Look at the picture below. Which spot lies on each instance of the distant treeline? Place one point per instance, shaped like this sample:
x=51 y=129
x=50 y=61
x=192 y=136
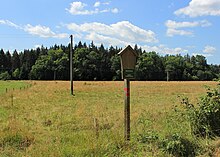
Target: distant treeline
x=91 y=62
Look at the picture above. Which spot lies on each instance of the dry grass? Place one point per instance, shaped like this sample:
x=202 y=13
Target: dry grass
x=58 y=124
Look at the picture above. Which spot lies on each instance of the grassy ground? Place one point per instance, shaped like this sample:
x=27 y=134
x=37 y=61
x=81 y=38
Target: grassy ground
x=45 y=120
x=10 y=85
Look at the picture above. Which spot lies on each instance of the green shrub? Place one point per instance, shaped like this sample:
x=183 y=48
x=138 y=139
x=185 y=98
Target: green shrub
x=178 y=146
x=5 y=76
x=148 y=137
x=205 y=119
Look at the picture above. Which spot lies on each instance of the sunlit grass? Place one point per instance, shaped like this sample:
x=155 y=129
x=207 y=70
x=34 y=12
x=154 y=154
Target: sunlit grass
x=90 y=123
x=11 y=85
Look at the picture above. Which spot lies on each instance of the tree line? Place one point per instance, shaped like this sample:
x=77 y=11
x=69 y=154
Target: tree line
x=91 y=62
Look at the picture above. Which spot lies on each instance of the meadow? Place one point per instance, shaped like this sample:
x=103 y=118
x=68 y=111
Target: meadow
x=45 y=120
x=10 y=85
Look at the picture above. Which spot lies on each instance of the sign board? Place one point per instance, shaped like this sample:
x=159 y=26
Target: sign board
x=128 y=61
x=128 y=73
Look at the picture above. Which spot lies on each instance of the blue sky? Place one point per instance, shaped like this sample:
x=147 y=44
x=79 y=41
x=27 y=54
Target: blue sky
x=164 y=26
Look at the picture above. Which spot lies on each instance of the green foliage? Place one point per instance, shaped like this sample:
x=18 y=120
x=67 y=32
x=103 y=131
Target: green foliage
x=205 y=119
x=16 y=74
x=50 y=66
x=178 y=146
x=148 y=137
x=91 y=65
x=175 y=65
x=115 y=67
x=174 y=144
x=150 y=67
x=98 y=63
x=5 y=76
x=41 y=69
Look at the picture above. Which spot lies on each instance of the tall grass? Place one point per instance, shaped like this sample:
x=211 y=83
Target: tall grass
x=54 y=123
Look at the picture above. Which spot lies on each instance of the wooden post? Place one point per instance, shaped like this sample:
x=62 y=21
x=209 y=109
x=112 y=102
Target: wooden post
x=12 y=102
x=127 y=109
x=128 y=59
x=167 y=75
x=96 y=126
x=54 y=75
x=71 y=64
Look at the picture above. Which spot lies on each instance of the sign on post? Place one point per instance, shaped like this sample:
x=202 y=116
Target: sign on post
x=128 y=73
x=128 y=61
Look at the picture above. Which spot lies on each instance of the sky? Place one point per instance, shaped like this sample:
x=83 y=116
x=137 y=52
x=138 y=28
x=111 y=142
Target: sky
x=164 y=26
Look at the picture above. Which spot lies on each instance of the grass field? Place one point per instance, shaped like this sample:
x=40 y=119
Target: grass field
x=45 y=120
x=10 y=85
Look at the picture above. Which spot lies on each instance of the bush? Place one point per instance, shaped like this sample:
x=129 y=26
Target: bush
x=5 y=76
x=149 y=137
x=178 y=146
x=205 y=119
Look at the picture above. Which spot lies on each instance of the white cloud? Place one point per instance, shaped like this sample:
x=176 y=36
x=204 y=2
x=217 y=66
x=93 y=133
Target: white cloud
x=37 y=46
x=43 y=31
x=79 y=8
x=202 y=54
x=162 y=49
x=174 y=24
x=106 y=40
x=38 y=30
x=173 y=27
x=9 y=23
x=106 y=3
x=171 y=32
x=97 y=4
x=115 y=10
x=123 y=32
x=204 y=23
x=200 y=8
x=209 y=49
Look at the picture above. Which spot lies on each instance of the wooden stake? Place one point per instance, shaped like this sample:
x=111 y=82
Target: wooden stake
x=96 y=126
x=12 y=102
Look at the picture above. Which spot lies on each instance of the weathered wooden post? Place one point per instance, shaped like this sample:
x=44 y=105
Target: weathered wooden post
x=168 y=76
x=71 y=64
x=128 y=60
x=12 y=102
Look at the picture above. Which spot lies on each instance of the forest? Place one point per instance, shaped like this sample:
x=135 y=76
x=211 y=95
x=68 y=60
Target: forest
x=91 y=62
